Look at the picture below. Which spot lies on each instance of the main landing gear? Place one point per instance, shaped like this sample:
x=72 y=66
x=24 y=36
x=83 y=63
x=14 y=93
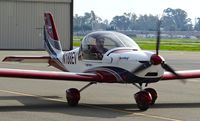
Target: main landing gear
x=145 y=98
x=73 y=94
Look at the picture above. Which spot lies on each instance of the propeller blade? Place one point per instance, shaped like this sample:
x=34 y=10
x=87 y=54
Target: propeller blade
x=158 y=38
x=142 y=67
x=169 y=69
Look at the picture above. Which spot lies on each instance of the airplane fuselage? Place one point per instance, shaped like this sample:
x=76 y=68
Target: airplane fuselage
x=118 y=61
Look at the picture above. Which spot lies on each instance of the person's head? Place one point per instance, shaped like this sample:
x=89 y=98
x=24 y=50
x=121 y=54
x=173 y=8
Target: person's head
x=100 y=43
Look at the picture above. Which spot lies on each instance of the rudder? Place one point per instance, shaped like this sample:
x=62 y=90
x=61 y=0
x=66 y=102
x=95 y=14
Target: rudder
x=51 y=39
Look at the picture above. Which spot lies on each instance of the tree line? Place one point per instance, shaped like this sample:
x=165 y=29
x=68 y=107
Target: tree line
x=172 y=20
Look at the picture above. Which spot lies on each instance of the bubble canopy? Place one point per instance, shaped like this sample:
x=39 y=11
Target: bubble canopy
x=102 y=41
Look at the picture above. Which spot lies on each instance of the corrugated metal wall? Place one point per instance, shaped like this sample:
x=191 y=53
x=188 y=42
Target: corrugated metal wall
x=21 y=22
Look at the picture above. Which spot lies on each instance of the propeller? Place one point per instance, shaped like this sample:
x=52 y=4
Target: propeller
x=156 y=59
x=158 y=37
x=142 y=67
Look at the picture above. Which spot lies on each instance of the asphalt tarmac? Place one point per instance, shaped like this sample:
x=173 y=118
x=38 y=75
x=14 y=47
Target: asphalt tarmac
x=44 y=100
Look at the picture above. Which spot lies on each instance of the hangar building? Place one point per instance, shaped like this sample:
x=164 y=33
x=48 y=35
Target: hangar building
x=21 y=23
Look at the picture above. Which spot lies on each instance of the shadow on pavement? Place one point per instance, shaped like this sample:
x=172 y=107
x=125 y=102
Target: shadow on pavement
x=36 y=104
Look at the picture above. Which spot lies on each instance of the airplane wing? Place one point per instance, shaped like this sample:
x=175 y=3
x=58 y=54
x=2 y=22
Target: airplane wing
x=89 y=77
x=182 y=75
x=27 y=59
x=52 y=75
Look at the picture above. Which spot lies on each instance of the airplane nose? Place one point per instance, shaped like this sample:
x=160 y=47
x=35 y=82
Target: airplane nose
x=156 y=59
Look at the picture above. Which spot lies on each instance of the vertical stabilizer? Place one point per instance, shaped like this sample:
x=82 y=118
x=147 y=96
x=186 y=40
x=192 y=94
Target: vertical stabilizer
x=51 y=39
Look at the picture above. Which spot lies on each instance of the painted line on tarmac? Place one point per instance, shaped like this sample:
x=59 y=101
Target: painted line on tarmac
x=134 y=114
x=30 y=95
x=92 y=106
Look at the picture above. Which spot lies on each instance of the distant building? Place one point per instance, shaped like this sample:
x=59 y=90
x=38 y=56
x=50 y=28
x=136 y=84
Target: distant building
x=21 y=23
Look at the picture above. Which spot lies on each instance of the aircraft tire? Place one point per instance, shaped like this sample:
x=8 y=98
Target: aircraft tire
x=143 y=100
x=153 y=93
x=72 y=96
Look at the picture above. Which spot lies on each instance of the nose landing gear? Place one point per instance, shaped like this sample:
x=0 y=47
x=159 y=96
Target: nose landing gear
x=145 y=98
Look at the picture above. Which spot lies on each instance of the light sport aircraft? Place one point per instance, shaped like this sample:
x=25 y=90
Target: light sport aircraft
x=103 y=57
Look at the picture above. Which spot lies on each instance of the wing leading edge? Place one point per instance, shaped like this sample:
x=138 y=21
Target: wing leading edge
x=182 y=75
x=33 y=74
x=89 y=77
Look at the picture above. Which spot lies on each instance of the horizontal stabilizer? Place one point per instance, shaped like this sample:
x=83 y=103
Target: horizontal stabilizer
x=27 y=59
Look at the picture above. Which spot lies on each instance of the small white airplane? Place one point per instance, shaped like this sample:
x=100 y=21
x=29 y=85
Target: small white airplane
x=103 y=57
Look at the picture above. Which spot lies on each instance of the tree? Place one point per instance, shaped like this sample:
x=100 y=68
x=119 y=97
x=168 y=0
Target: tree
x=133 y=20
x=77 y=23
x=82 y=23
x=176 y=19
x=96 y=21
x=172 y=20
x=90 y=21
x=147 y=23
x=120 y=22
x=197 y=25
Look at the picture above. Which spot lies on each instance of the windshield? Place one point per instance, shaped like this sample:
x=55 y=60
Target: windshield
x=111 y=39
x=127 y=41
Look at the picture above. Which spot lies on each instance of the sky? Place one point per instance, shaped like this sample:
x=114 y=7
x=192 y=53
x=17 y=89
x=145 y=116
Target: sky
x=106 y=9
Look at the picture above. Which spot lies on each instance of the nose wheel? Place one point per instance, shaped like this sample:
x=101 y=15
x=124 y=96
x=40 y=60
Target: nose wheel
x=153 y=94
x=145 y=98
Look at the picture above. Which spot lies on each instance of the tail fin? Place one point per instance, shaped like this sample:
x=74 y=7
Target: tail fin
x=51 y=39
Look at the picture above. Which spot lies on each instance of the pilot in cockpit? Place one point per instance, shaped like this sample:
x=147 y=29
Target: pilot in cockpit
x=98 y=48
x=100 y=45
